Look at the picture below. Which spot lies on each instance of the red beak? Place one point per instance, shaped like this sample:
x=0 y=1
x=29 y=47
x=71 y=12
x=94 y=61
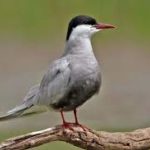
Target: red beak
x=104 y=26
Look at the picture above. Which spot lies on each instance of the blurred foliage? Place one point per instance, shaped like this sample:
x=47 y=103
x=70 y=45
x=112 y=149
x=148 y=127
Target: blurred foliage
x=48 y=19
x=36 y=19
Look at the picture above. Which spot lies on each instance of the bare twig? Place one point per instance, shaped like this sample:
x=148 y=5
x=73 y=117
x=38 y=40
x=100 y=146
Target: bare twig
x=86 y=139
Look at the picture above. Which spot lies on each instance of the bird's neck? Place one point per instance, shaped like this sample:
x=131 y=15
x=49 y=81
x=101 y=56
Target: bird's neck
x=79 y=45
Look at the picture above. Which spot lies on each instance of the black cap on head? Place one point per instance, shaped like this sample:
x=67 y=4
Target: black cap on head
x=79 y=20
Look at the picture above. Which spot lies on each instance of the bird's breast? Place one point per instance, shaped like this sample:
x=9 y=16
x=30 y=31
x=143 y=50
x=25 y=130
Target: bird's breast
x=84 y=82
x=80 y=90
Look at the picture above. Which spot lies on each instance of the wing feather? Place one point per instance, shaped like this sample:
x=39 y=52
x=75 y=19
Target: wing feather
x=55 y=82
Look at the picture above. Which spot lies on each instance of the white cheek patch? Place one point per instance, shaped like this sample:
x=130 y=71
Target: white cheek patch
x=94 y=30
x=82 y=30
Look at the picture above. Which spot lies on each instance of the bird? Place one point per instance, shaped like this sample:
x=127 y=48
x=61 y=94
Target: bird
x=73 y=78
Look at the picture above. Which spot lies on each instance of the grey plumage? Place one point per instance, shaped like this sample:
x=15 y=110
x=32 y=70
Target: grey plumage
x=66 y=85
x=69 y=83
x=27 y=103
x=73 y=78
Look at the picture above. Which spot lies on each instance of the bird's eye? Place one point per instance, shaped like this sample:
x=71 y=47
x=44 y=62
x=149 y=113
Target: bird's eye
x=93 y=26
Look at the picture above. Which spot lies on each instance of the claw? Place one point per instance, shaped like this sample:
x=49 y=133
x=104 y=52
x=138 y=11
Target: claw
x=68 y=125
x=84 y=128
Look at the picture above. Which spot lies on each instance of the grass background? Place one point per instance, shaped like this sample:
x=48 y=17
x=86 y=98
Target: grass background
x=32 y=34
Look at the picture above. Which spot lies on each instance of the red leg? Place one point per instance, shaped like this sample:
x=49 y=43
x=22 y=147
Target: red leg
x=76 y=118
x=62 y=116
x=77 y=122
x=65 y=124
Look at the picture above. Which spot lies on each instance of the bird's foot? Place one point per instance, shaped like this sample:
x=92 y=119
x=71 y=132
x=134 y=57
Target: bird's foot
x=68 y=125
x=84 y=128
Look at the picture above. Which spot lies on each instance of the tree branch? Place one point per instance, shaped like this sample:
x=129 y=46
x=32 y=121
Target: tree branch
x=86 y=139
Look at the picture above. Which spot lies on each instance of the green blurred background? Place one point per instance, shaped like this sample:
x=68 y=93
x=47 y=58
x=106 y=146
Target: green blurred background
x=32 y=34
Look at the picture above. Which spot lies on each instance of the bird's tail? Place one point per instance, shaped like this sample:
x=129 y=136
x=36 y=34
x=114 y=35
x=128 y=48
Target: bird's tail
x=15 y=112
x=28 y=102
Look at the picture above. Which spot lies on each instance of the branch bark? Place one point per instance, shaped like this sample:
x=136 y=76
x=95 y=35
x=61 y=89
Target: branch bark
x=86 y=139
